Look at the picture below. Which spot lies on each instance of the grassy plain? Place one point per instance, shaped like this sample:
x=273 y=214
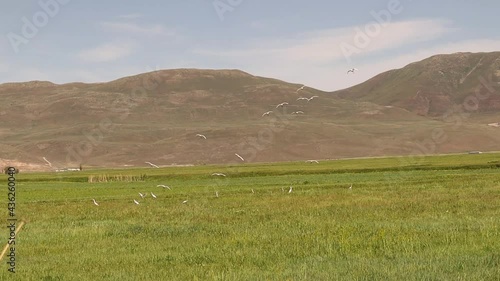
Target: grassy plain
x=421 y=218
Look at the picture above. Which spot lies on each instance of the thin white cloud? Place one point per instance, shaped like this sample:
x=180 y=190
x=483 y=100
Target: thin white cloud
x=133 y=28
x=106 y=52
x=330 y=77
x=316 y=58
x=325 y=45
x=396 y=35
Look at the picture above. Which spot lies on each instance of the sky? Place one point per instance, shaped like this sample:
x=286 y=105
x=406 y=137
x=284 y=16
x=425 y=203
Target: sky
x=310 y=42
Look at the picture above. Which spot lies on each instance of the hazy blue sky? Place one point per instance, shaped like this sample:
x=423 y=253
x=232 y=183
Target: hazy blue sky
x=311 y=42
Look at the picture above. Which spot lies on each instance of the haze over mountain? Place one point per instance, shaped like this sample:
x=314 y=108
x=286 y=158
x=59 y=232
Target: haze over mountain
x=155 y=117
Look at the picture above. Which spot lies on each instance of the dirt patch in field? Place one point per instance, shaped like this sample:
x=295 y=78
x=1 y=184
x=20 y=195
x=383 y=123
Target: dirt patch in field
x=23 y=166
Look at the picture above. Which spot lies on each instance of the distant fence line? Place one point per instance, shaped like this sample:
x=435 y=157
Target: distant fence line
x=115 y=178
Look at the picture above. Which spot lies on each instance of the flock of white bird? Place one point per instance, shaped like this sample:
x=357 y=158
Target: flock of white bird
x=142 y=195
x=283 y=104
x=290 y=189
x=154 y=196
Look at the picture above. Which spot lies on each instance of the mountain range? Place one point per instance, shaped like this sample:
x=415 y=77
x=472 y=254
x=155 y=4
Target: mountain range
x=443 y=104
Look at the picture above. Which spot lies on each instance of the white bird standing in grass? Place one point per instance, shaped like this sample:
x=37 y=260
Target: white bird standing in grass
x=164 y=186
x=290 y=190
x=241 y=158
x=153 y=195
x=153 y=165
x=218 y=174
x=253 y=191
x=135 y=201
x=45 y=159
x=95 y=203
x=312 y=161
x=201 y=136
x=142 y=195
x=267 y=113
x=350 y=187
x=217 y=194
x=184 y=202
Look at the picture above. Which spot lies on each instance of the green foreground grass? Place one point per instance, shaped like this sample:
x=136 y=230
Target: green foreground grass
x=431 y=218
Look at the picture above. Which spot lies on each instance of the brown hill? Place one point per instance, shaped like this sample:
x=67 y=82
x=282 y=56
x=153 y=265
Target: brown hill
x=434 y=85
x=156 y=116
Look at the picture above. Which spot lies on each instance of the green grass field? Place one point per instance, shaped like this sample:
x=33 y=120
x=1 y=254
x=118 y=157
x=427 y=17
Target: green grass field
x=421 y=218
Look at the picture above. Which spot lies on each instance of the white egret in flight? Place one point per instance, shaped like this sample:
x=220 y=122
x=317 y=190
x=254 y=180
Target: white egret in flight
x=239 y=157
x=153 y=165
